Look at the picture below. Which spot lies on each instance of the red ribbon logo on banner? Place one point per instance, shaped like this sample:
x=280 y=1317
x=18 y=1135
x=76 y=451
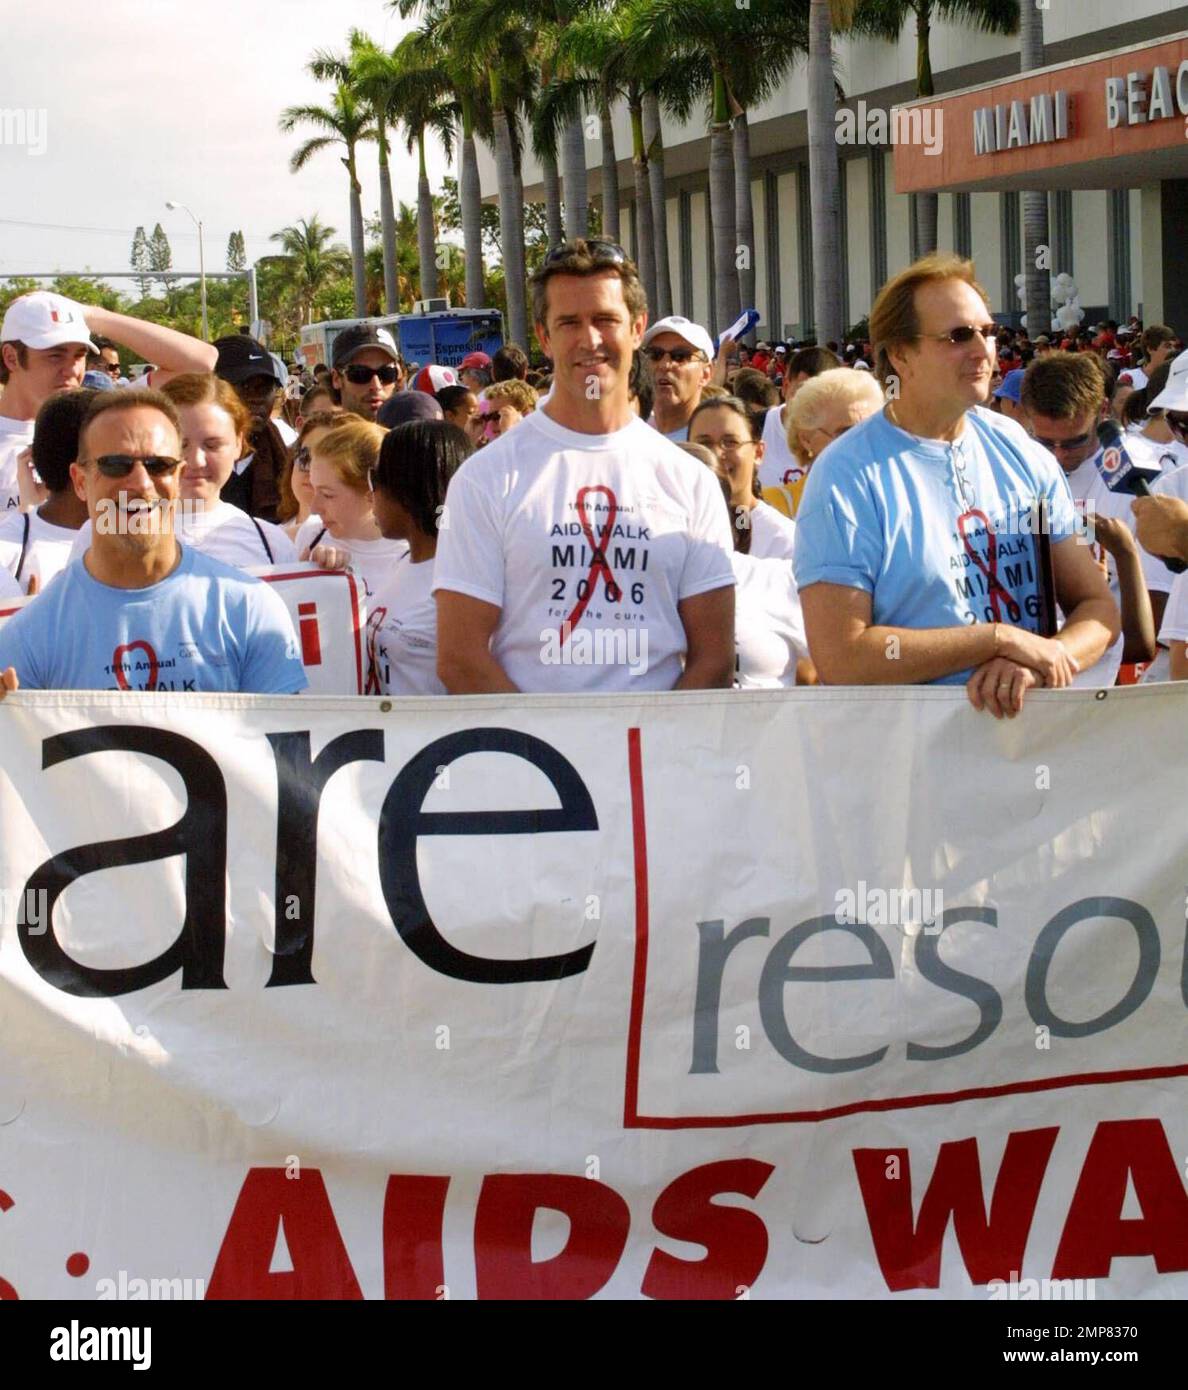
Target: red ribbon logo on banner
x=118 y=654
x=989 y=566
x=598 y=565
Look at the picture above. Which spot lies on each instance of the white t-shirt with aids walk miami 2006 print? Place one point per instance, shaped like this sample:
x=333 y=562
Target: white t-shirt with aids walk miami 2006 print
x=587 y=543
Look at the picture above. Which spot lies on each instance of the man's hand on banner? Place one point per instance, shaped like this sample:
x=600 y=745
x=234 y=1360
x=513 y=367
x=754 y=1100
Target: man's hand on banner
x=998 y=686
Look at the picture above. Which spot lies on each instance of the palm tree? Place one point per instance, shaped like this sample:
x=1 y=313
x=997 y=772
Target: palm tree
x=734 y=56
x=823 y=166
x=885 y=19
x=313 y=260
x=1038 y=284
x=467 y=82
x=346 y=122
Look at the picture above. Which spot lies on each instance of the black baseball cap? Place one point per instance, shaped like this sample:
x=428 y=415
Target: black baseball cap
x=363 y=335
x=408 y=405
x=241 y=357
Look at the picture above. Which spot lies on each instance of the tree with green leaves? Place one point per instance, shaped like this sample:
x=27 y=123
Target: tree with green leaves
x=236 y=252
x=314 y=260
x=886 y=19
x=141 y=261
x=160 y=256
x=347 y=123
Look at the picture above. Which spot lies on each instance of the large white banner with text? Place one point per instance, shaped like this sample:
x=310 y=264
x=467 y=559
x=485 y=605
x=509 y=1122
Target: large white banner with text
x=795 y=994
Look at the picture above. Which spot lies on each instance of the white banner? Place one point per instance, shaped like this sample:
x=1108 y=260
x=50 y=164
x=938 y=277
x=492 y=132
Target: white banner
x=789 y=994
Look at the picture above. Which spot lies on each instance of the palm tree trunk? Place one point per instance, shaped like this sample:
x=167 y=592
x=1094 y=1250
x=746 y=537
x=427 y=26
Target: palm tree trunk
x=823 y=176
x=1036 y=232
x=927 y=204
x=573 y=172
x=387 y=224
x=358 y=269
x=610 y=176
x=472 y=212
x=721 y=188
x=511 y=214
x=552 y=192
x=426 y=233
x=654 y=137
x=642 y=207
x=744 y=214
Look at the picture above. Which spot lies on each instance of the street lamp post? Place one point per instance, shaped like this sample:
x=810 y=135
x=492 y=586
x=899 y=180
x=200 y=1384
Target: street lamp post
x=172 y=206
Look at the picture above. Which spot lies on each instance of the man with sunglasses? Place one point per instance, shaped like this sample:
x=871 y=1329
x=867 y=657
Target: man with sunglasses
x=1064 y=396
x=916 y=551
x=583 y=551
x=681 y=354
x=138 y=611
x=367 y=369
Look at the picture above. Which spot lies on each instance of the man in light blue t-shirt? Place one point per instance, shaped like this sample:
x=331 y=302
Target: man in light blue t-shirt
x=917 y=557
x=138 y=611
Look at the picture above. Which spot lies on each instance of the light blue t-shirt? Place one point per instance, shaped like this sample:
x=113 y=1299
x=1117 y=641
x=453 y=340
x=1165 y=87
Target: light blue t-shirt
x=938 y=534
x=207 y=626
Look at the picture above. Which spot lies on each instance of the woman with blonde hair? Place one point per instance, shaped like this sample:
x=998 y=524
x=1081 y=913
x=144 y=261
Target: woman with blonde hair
x=824 y=408
x=500 y=407
x=342 y=461
x=296 y=504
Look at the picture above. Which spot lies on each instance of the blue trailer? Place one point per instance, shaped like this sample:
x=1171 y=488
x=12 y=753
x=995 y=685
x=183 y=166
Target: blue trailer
x=444 y=337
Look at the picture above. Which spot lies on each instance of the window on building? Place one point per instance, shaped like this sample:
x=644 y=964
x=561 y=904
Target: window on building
x=685 y=225
x=1010 y=206
x=804 y=218
x=843 y=207
x=771 y=241
x=878 y=220
x=962 y=225
x=1118 y=243
x=1060 y=225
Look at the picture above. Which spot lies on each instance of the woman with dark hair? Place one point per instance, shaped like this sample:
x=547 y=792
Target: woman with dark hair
x=416 y=462
x=729 y=428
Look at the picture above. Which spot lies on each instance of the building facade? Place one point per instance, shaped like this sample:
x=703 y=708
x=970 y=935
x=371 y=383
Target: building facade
x=1118 y=192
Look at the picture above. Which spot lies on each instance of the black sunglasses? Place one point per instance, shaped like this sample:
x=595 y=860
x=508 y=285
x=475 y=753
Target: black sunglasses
x=601 y=252
x=120 y=465
x=679 y=355
x=359 y=375
x=965 y=334
x=1078 y=441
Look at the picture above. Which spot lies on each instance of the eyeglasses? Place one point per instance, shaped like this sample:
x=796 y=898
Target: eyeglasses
x=301 y=459
x=965 y=334
x=1078 y=441
x=359 y=375
x=601 y=252
x=120 y=465
x=728 y=445
x=112 y=367
x=679 y=355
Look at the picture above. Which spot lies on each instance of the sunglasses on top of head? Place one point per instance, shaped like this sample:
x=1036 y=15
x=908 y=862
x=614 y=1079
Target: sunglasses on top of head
x=359 y=375
x=120 y=465
x=601 y=252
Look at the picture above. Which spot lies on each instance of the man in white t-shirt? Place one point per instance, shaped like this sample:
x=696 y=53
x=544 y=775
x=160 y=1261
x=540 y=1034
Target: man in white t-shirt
x=583 y=551
x=1064 y=398
x=682 y=356
x=780 y=467
x=44 y=342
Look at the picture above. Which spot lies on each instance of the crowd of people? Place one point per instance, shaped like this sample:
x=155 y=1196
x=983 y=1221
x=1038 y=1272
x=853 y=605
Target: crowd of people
x=646 y=509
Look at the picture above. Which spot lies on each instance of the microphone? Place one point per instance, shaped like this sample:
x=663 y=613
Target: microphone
x=1121 y=473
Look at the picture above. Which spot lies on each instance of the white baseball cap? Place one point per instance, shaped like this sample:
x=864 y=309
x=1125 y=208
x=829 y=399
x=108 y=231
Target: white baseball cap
x=1174 y=395
x=45 y=320
x=693 y=334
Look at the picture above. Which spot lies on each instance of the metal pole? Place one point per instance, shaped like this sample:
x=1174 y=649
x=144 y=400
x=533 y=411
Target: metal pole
x=202 y=277
x=253 y=296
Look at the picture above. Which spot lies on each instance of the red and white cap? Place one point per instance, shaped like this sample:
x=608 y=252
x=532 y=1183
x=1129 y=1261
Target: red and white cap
x=433 y=379
x=45 y=320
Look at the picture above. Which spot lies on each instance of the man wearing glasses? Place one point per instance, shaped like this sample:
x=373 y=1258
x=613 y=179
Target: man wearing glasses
x=1064 y=397
x=366 y=369
x=681 y=353
x=138 y=611
x=582 y=551
x=916 y=553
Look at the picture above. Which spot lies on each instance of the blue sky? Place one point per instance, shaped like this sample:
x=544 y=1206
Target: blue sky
x=148 y=100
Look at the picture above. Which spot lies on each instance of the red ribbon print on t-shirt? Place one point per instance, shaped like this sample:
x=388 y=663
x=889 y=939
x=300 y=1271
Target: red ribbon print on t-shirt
x=598 y=565
x=138 y=646
x=989 y=566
